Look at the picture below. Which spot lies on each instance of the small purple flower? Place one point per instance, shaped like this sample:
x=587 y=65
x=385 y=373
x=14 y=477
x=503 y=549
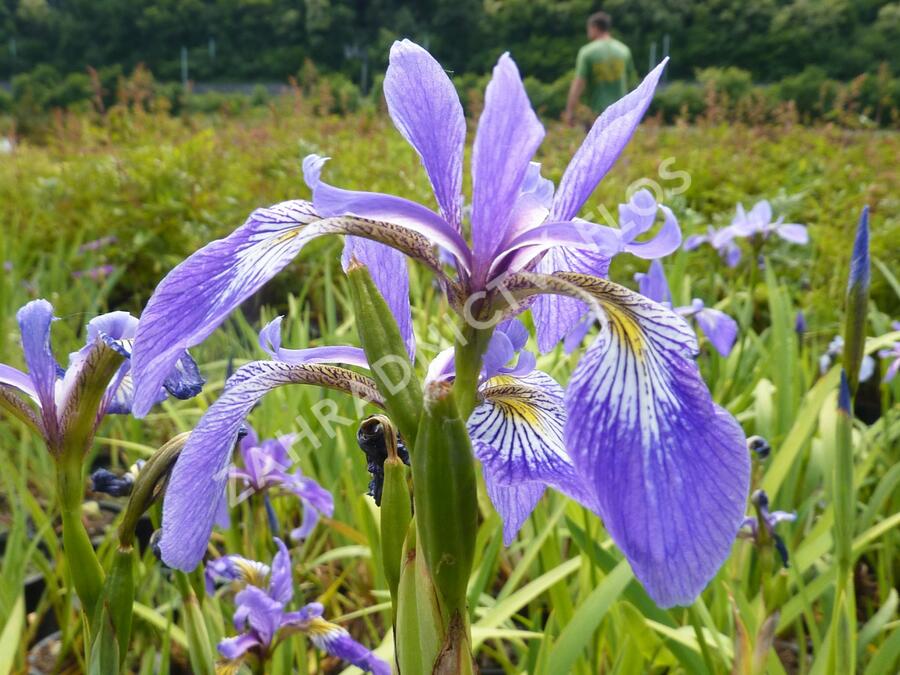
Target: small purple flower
x=261 y=613
x=760 y=501
x=266 y=467
x=835 y=350
x=95 y=273
x=892 y=354
x=722 y=240
x=97 y=244
x=720 y=328
x=55 y=390
x=758 y=223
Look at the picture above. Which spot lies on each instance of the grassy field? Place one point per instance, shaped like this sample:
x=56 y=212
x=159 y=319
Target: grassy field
x=552 y=602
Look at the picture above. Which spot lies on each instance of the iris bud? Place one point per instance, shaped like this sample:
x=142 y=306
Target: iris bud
x=759 y=446
x=856 y=304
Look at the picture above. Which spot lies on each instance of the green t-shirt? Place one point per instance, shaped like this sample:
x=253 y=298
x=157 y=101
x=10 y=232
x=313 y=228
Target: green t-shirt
x=608 y=69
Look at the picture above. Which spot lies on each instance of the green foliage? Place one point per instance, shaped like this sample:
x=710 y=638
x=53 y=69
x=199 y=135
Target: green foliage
x=560 y=596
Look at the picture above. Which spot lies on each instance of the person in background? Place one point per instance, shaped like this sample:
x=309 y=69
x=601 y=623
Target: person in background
x=604 y=68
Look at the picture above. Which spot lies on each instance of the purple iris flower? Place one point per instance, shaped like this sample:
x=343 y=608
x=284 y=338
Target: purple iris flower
x=722 y=240
x=834 y=352
x=266 y=466
x=758 y=223
x=635 y=437
x=719 y=328
x=56 y=391
x=892 y=354
x=262 y=614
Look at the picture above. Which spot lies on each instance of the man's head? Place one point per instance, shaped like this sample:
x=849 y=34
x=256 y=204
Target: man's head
x=598 y=25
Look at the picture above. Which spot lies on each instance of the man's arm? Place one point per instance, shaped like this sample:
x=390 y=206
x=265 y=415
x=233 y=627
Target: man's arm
x=576 y=89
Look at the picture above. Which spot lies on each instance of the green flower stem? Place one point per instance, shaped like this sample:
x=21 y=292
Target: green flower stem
x=84 y=567
x=470 y=349
x=200 y=647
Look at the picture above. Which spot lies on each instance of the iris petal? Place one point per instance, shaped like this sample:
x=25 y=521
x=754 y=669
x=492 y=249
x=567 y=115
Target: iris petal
x=196 y=296
x=270 y=342
x=508 y=135
x=425 y=108
x=517 y=433
x=720 y=328
x=34 y=323
x=666 y=241
x=555 y=316
x=669 y=468
x=197 y=485
x=390 y=275
x=331 y=201
x=602 y=147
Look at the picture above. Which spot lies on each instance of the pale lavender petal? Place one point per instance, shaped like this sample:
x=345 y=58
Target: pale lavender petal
x=891 y=372
x=270 y=342
x=653 y=284
x=331 y=201
x=197 y=296
x=14 y=377
x=720 y=328
x=516 y=332
x=43 y=370
x=508 y=135
x=259 y=610
x=638 y=215
x=499 y=352
x=336 y=641
x=668 y=468
x=425 y=108
x=233 y=648
x=390 y=274
x=525 y=364
x=576 y=336
x=602 y=147
x=281 y=584
x=666 y=241
x=576 y=235
x=694 y=241
x=796 y=234
x=866 y=368
x=554 y=315
x=732 y=254
x=517 y=434
x=317 y=502
x=197 y=484
x=761 y=213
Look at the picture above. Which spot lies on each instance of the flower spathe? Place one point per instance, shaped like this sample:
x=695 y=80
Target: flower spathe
x=635 y=436
x=261 y=613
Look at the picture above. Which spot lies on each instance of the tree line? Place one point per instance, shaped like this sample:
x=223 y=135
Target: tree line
x=269 y=40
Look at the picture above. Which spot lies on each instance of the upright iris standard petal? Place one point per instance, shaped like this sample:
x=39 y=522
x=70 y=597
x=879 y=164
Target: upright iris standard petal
x=198 y=294
x=43 y=370
x=196 y=488
x=720 y=328
x=555 y=316
x=653 y=284
x=270 y=342
x=281 y=586
x=669 y=469
x=602 y=147
x=517 y=434
x=391 y=277
x=509 y=133
x=425 y=108
x=793 y=232
x=331 y=201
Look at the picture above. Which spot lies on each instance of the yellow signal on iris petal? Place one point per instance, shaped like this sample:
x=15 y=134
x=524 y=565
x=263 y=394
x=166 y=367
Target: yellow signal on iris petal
x=623 y=323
